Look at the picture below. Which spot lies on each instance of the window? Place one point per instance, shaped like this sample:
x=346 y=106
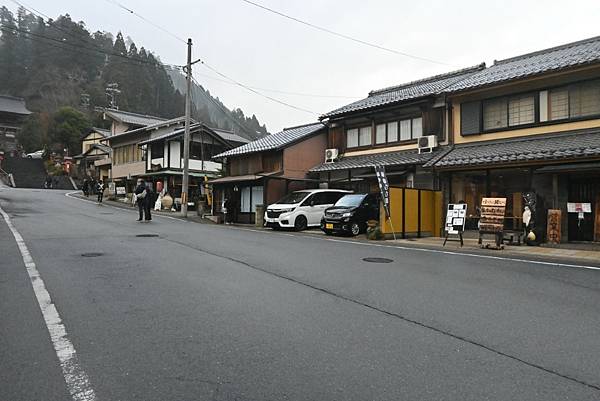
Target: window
x=358 y=137
x=417 y=127
x=392 y=132
x=380 y=136
x=257 y=197
x=245 y=199
x=352 y=138
x=157 y=150
x=521 y=110
x=584 y=99
x=364 y=136
x=558 y=104
x=195 y=150
x=470 y=118
x=405 y=130
x=494 y=114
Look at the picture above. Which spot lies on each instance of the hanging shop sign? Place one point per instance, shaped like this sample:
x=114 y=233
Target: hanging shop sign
x=579 y=208
x=384 y=188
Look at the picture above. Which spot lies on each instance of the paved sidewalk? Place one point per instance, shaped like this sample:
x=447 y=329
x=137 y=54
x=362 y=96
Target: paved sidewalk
x=566 y=252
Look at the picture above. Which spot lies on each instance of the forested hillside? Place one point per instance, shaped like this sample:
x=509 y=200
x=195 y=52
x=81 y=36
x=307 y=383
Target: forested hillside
x=57 y=63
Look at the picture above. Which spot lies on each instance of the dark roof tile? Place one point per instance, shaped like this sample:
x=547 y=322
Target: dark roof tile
x=274 y=141
x=400 y=158
x=407 y=91
x=585 y=51
x=569 y=145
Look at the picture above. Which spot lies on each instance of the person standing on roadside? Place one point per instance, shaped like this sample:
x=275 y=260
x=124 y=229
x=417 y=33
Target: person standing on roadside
x=86 y=187
x=100 y=190
x=148 y=201
x=140 y=194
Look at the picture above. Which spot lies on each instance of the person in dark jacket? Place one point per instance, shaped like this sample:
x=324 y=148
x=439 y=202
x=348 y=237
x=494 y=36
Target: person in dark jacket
x=140 y=196
x=86 y=187
x=148 y=201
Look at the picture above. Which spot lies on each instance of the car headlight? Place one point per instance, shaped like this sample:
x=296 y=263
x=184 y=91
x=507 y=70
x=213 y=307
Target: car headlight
x=347 y=214
x=291 y=209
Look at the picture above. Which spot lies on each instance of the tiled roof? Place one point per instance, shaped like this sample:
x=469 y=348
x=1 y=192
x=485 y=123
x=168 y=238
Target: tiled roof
x=230 y=136
x=15 y=105
x=274 y=141
x=128 y=117
x=574 y=144
x=156 y=126
x=556 y=58
x=172 y=134
x=400 y=158
x=104 y=132
x=408 y=91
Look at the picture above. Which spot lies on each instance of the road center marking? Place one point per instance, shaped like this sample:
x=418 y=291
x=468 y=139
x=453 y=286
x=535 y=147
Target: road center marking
x=77 y=380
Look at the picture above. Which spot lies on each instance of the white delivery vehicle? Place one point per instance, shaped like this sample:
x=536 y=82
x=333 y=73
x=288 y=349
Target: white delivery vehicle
x=302 y=209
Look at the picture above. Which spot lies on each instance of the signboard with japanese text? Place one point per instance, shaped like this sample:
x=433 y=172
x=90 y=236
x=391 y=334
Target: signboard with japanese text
x=492 y=214
x=384 y=188
x=455 y=218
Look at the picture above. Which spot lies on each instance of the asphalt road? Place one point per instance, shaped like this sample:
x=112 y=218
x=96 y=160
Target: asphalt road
x=206 y=312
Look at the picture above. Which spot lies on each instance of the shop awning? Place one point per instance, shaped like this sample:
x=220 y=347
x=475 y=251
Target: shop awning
x=399 y=158
x=240 y=178
x=565 y=168
x=173 y=172
x=573 y=145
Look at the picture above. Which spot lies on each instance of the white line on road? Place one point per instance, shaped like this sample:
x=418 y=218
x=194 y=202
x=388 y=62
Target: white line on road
x=410 y=248
x=77 y=380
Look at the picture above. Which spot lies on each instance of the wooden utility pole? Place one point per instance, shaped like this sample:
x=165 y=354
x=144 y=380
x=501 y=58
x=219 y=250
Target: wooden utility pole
x=186 y=136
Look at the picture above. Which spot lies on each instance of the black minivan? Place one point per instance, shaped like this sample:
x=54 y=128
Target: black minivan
x=350 y=214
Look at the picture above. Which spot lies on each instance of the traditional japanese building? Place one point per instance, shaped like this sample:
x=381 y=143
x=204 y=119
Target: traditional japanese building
x=529 y=123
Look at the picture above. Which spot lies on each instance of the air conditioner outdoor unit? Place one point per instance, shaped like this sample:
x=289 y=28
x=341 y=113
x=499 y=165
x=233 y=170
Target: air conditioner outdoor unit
x=331 y=155
x=427 y=143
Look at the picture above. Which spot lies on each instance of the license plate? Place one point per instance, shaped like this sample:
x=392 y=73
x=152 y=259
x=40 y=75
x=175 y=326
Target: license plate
x=329 y=226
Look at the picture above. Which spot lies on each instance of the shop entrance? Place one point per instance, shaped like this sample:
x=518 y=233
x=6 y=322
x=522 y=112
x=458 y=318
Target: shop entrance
x=586 y=190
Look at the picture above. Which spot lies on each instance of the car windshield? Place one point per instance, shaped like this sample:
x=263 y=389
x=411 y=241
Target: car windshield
x=294 y=197
x=350 y=201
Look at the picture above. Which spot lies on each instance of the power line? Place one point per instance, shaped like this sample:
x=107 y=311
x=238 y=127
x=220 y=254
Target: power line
x=214 y=70
x=343 y=36
x=95 y=46
x=129 y=10
x=222 y=108
x=257 y=92
x=283 y=92
x=79 y=48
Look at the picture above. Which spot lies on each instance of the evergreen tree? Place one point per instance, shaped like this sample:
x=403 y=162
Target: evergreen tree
x=67 y=128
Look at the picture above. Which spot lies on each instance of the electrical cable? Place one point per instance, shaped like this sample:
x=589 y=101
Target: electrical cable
x=343 y=36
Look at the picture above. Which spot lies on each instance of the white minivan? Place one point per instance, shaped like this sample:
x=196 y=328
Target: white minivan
x=302 y=209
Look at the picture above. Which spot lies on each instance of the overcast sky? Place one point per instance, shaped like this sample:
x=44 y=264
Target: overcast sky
x=264 y=50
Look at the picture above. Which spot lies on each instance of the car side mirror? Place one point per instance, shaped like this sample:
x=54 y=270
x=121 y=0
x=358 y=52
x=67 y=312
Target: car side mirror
x=312 y=202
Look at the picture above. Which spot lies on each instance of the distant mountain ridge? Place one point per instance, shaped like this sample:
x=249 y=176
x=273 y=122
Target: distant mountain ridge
x=211 y=109
x=57 y=63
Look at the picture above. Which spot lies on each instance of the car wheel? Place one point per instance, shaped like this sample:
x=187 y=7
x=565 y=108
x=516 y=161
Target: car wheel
x=300 y=223
x=30 y=157
x=355 y=229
